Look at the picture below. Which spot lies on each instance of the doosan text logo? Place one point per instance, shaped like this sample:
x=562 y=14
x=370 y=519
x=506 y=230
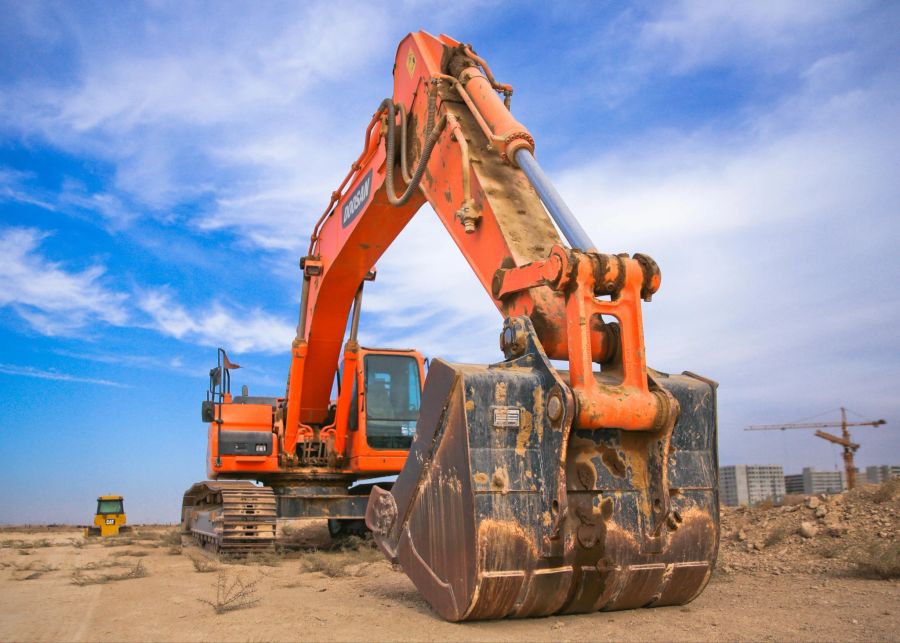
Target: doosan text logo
x=357 y=200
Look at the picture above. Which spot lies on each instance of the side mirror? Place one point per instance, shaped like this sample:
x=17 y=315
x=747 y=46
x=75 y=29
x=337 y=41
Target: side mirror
x=208 y=411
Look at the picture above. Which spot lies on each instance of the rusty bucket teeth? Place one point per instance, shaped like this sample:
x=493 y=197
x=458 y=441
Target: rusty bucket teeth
x=505 y=510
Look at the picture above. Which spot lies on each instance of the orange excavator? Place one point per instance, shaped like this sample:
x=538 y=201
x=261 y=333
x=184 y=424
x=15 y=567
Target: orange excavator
x=506 y=490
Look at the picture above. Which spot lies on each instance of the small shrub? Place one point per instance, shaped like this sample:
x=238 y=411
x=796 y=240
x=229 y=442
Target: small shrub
x=263 y=558
x=777 y=535
x=330 y=564
x=175 y=550
x=233 y=594
x=888 y=490
x=172 y=537
x=830 y=550
x=204 y=565
x=335 y=564
x=877 y=558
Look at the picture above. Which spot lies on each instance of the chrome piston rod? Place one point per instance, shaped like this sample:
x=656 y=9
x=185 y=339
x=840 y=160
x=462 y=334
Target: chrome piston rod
x=562 y=215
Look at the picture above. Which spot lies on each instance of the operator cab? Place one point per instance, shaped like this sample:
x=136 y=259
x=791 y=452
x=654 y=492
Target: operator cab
x=382 y=421
x=110 y=505
x=393 y=396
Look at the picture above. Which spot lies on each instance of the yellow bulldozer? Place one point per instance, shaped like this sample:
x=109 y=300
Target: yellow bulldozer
x=109 y=519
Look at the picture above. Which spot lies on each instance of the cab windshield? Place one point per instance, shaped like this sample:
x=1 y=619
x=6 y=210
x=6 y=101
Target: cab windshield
x=393 y=396
x=110 y=507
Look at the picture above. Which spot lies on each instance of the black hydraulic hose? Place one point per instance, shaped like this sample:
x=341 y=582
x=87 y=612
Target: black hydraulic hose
x=433 y=132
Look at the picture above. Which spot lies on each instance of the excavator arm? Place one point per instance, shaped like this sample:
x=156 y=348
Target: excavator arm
x=528 y=490
x=475 y=167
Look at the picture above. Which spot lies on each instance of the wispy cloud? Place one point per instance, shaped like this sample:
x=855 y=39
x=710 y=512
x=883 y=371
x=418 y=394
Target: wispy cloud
x=693 y=33
x=217 y=325
x=52 y=299
x=226 y=112
x=29 y=371
x=56 y=301
x=14 y=187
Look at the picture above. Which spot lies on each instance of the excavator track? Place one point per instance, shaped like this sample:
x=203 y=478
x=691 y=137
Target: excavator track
x=230 y=517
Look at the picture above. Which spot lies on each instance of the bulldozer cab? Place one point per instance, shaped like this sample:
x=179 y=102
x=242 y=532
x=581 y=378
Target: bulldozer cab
x=384 y=408
x=110 y=506
x=109 y=519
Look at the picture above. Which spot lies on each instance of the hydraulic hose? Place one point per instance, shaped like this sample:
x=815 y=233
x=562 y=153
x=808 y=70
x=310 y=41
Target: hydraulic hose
x=434 y=130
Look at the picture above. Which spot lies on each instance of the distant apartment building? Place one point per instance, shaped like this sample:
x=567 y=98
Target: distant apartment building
x=793 y=484
x=812 y=482
x=748 y=484
x=881 y=473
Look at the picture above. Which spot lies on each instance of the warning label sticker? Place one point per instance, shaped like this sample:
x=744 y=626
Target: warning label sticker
x=506 y=416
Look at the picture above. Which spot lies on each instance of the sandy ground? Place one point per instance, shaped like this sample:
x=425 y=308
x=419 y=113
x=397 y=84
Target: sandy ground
x=49 y=593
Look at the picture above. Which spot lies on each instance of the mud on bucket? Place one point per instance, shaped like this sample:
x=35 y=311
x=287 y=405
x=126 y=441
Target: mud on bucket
x=503 y=509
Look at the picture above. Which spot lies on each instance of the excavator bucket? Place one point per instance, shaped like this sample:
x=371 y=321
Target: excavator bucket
x=504 y=509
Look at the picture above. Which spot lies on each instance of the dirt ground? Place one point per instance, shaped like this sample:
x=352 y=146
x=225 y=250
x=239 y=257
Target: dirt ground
x=771 y=583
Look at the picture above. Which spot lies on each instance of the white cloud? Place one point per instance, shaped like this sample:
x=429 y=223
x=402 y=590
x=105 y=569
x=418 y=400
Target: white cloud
x=30 y=371
x=810 y=158
x=56 y=301
x=694 y=33
x=218 y=325
x=189 y=104
x=13 y=187
x=52 y=299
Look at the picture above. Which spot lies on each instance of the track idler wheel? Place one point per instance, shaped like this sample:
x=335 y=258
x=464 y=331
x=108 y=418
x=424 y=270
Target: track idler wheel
x=503 y=509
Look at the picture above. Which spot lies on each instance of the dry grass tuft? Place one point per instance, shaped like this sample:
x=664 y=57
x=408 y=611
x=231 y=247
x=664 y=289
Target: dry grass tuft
x=233 y=594
x=830 y=550
x=174 y=550
x=204 y=565
x=887 y=491
x=135 y=571
x=118 y=541
x=172 y=537
x=35 y=566
x=98 y=564
x=331 y=564
x=137 y=553
x=17 y=543
x=268 y=558
x=877 y=558
x=778 y=534
x=353 y=556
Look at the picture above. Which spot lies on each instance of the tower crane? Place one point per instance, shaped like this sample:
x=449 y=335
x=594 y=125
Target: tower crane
x=850 y=447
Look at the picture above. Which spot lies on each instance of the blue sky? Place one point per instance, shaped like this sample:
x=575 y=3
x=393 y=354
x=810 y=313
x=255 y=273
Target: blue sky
x=161 y=165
